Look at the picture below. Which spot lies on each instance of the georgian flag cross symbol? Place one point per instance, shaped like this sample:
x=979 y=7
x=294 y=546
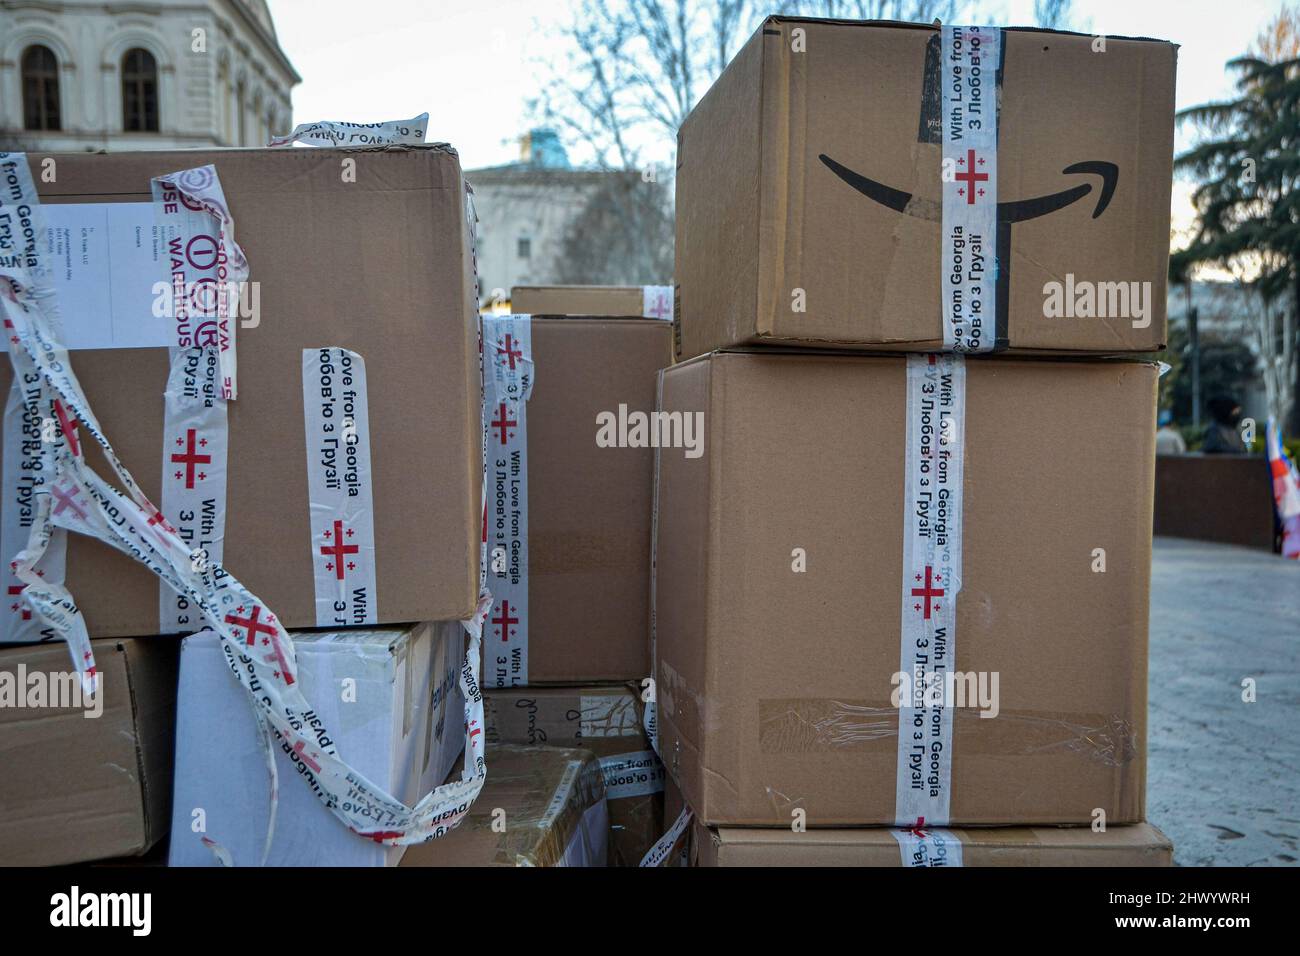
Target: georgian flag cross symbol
x=337 y=550
x=928 y=592
x=190 y=457
x=252 y=627
x=16 y=589
x=970 y=177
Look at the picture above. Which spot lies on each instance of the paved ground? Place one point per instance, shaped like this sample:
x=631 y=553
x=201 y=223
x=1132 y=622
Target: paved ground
x=1223 y=778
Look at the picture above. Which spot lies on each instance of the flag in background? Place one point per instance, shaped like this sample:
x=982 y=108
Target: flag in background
x=1286 y=492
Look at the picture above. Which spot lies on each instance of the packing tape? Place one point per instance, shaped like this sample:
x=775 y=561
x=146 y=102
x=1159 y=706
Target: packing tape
x=969 y=67
x=921 y=846
x=329 y=133
x=254 y=641
x=339 y=487
x=825 y=725
x=932 y=532
x=507 y=384
x=28 y=462
x=662 y=851
x=651 y=713
x=634 y=774
x=657 y=302
x=196 y=449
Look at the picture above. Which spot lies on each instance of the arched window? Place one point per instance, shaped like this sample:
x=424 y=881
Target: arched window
x=139 y=92
x=40 y=88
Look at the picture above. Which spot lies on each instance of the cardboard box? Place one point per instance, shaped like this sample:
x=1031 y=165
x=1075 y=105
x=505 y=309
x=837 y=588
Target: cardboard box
x=607 y=720
x=382 y=266
x=775 y=246
x=390 y=696
x=588 y=507
x=641 y=301
x=540 y=806
x=1138 y=845
x=78 y=787
x=775 y=686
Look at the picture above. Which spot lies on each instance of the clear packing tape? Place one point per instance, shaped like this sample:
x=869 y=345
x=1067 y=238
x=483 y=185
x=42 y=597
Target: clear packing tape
x=74 y=497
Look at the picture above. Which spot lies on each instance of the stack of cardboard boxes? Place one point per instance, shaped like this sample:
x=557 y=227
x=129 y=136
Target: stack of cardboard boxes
x=342 y=486
x=911 y=590
x=892 y=598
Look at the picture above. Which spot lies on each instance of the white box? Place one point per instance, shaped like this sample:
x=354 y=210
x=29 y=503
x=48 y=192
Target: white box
x=391 y=698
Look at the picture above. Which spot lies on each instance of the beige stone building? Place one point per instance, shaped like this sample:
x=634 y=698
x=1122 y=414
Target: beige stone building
x=117 y=74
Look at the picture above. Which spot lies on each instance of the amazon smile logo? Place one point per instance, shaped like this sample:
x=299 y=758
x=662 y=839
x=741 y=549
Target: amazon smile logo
x=1020 y=210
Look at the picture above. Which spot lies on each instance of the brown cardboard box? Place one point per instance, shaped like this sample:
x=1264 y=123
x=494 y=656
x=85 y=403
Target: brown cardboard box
x=78 y=788
x=1138 y=845
x=608 y=721
x=774 y=687
x=540 y=806
x=603 y=300
x=380 y=265
x=760 y=214
x=589 y=507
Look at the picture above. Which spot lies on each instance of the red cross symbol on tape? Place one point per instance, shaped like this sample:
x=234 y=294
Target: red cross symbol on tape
x=251 y=623
x=67 y=498
x=509 y=351
x=68 y=426
x=970 y=177
x=917 y=828
x=160 y=524
x=90 y=669
x=502 y=422
x=659 y=307
x=191 y=456
x=16 y=589
x=338 y=550
x=277 y=658
x=505 y=620
x=300 y=748
x=928 y=591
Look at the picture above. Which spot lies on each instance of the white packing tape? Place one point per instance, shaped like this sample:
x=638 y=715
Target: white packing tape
x=29 y=438
x=339 y=487
x=657 y=302
x=258 y=648
x=635 y=774
x=931 y=846
x=968 y=270
x=507 y=385
x=327 y=133
x=662 y=851
x=195 y=453
x=932 y=536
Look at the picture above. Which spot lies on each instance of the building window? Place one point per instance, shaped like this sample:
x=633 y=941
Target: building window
x=524 y=248
x=139 y=92
x=40 y=89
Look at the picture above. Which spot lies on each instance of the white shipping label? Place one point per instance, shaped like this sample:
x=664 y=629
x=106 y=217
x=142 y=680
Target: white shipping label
x=27 y=464
x=327 y=133
x=195 y=453
x=632 y=774
x=507 y=384
x=932 y=526
x=968 y=269
x=339 y=486
x=928 y=847
x=109 y=265
x=657 y=302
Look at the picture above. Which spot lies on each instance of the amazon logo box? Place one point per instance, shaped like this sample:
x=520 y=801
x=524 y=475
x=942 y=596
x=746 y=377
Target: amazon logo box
x=905 y=187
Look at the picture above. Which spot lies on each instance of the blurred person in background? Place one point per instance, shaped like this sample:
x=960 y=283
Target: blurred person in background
x=1169 y=440
x=1222 y=437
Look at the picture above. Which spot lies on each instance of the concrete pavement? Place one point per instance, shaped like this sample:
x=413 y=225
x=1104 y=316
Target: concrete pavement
x=1223 y=776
